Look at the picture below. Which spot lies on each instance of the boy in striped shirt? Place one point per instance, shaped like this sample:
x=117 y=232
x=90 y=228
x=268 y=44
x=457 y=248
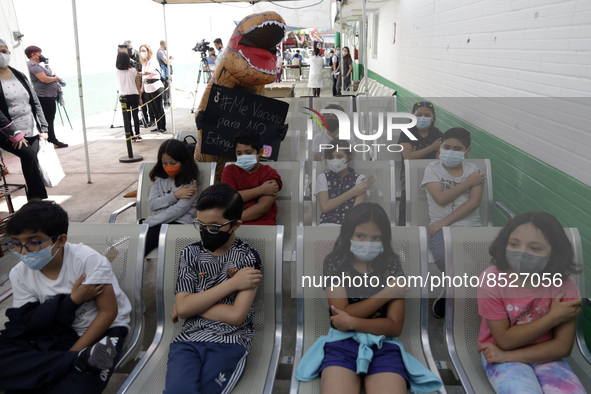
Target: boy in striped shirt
x=217 y=283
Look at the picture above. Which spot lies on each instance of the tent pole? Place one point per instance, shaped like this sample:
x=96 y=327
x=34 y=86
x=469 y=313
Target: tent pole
x=80 y=92
x=365 y=46
x=168 y=73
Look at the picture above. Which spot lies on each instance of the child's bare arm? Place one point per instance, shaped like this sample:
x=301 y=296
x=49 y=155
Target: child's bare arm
x=444 y=197
x=259 y=209
x=193 y=304
x=512 y=337
x=461 y=212
x=390 y=326
x=328 y=204
x=106 y=303
x=233 y=314
x=268 y=188
x=558 y=347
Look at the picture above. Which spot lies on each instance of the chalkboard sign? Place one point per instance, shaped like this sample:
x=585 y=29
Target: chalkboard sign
x=229 y=111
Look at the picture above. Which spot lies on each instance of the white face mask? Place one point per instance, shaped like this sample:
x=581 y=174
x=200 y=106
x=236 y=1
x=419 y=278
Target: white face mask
x=336 y=165
x=144 y=55
x=4 y=60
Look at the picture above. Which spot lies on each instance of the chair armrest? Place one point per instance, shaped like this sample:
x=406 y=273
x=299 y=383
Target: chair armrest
x=120 y=210
x=505 y=209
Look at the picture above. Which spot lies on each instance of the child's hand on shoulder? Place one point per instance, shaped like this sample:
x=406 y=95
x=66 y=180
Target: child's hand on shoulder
x=341 y=320
x=187 y=191
x=360 y=188
x=476 y=178
x=492 y=353
x=270 y=188
x=564 y=311
x=247 y=278
x=82 y=293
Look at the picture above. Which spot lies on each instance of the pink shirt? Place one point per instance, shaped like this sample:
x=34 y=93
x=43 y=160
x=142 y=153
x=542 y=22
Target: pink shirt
x=519 y=305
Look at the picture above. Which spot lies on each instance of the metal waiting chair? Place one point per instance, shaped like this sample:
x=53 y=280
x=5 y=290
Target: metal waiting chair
x=123 y=245
x=381 y=186
x=417 y=207
x=313 y=244
x=148 y=376
x=466 y=253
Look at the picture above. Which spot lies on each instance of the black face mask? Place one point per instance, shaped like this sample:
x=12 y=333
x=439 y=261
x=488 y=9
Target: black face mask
x=42 y=59
x=332 y=123
x=213 y=242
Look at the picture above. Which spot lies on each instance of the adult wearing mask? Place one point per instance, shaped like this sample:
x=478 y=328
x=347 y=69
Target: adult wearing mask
x=344 y=79
x=47 y=86
x=152 y=86
x=22 y=122
x=315 y=78
x=336 y=61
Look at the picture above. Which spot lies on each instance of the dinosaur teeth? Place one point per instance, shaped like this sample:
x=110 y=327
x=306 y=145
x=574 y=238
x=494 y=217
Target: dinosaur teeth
x=270 y=72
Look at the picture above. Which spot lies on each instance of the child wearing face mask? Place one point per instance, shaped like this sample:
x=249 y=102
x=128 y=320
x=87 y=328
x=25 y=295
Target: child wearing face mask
x=426 y=146
x=331 y=133
x=258 y=184
x=362 y=344
x=218 y=278
x=454 y=190
x=173 y=194
x=340 y=188
x=69 y=316
x=528 y=328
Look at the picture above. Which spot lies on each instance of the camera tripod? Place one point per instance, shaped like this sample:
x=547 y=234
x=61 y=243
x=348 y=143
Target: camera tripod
x=203 y=69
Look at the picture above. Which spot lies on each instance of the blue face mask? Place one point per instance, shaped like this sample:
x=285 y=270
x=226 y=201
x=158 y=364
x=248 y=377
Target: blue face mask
x=423 y=122
x=246 y=162
x=338 y=52
x=451 y=158
x=366 y=251
x=37 y=260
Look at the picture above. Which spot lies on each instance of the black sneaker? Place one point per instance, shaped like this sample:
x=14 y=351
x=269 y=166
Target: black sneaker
x=439 y=306
x=97 y=357
x=58 y=144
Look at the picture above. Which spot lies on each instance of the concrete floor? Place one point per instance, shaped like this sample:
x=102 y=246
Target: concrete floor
x=110 y=181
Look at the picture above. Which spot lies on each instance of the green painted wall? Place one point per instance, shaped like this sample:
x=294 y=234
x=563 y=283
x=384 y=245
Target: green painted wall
x=521 y=181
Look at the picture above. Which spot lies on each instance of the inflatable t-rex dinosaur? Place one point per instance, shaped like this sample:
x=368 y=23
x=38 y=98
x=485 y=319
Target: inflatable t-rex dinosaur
x=246 y=64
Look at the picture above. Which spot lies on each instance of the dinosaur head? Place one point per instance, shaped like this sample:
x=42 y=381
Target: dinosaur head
x=256 y=38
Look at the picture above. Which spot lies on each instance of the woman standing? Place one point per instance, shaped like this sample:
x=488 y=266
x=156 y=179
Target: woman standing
x=315 y=79
x=152 y=85
x=47 y=88
x=21 y=122
x=129 y=86
x=345 y=71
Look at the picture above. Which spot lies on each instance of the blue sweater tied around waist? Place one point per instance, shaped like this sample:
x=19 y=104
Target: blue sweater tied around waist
x=422 y=380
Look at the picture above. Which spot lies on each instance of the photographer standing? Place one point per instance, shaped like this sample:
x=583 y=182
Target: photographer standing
x=47 y=86
x=152 y=86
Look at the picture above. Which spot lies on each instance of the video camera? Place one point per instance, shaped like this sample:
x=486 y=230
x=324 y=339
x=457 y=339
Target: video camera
x=133 y=57
x=201 y=46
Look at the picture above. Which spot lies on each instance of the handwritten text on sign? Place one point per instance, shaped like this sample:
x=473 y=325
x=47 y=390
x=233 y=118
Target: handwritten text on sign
x=229 y=111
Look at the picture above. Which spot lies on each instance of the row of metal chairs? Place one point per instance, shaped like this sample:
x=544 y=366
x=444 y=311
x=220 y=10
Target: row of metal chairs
x=297 y=178
x=466 y=252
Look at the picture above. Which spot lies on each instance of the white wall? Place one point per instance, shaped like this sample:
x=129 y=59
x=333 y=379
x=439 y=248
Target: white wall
x=520 y=48
x=8 y=24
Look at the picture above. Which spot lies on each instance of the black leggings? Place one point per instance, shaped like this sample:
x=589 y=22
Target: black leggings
x=48 y=104
x=157 y=109
x=29 y=165
x=133 y=102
